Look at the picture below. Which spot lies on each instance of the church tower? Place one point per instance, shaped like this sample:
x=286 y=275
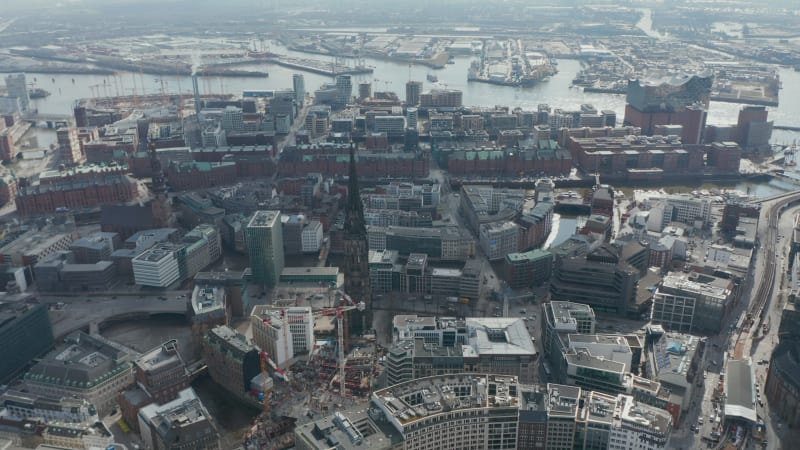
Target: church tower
x=160 y=205
x=356 y=253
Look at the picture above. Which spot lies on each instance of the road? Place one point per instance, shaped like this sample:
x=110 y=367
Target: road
x=756 y=292
x=761 y=349
x=299 y=122
x=82 y=311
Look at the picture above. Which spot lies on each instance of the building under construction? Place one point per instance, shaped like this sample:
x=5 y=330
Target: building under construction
x=360 y=370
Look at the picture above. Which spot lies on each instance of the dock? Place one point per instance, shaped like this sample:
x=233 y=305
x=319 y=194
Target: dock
x=511 y=64
x=319 y=67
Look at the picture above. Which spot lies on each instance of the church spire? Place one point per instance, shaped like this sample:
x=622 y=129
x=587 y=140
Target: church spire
x=354 y=221
x=158 y=186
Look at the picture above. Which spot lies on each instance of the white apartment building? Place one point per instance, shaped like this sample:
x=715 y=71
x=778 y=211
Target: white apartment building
x=686 y=209
x=214 y=137
x=22 y=405
x=391 y=125
x=282 y=344
x=157 y=267
x=412 y=115
x=311 y=237
x=639 y=426
x=232 y=119
x=498 y=239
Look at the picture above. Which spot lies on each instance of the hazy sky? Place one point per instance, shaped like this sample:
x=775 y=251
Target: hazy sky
x=150 y=7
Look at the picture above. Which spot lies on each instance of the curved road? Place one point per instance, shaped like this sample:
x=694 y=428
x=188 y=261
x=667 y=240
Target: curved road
x=80 y=312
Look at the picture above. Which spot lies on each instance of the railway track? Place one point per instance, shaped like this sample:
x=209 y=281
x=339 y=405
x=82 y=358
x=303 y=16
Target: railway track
x=756 y=310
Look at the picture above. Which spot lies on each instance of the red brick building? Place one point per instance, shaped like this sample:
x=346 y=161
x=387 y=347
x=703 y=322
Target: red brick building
x=7 y=147
x=629 y=157
x=505 y=162
x=183 y=176
x=369 y=165
x=692 y=119
x=217 y=154
x=8 y=188
x=724 y=157
x=603 y=200
x=78 y=188
x=535 y=225
x=253 y=165
x=106 y=151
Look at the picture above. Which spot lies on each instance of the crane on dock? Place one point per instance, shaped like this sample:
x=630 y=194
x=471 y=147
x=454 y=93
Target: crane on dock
x=385 y=84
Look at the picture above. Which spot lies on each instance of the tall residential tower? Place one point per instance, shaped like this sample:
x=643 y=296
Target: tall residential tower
x=299 y=87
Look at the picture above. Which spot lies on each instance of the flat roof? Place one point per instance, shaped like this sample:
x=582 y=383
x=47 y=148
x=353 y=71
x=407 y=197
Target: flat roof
x=711 y=288
x=563 y=400
x=351 y=429
x=383 y=256
x=412 y=320
x=317 y=271
x=564 y=314
x=738 y=387
x=443 y=272
x=498 y=336
x=264 y=219
x=584 y=358
x=206 y=299
x=444 y=394
x=157 y=253
x=672 y=356
x=163 y=355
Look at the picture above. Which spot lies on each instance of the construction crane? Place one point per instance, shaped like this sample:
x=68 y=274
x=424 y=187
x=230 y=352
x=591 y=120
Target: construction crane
x=95 y=89
x=284 y=375
x=286 y=337
x=264 y=376
x=340 y=311
x=385 y=84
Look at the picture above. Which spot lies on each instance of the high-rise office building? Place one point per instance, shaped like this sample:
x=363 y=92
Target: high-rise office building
x=413 y=91
x=26 y=333
x=364 y=90
x=344 y=90
x=283 y=104
x=299 y=86
x=232 y=119
x=356 y=261
x=441 y=98
x=412 y=115
x=18 y=88
x=265 y=245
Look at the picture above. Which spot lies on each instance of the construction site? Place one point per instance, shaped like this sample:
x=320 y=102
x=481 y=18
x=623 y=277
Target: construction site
x=341 y=370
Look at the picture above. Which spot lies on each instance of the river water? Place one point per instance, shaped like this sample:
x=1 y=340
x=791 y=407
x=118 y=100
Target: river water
x=392 y=76
x=556 y=92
